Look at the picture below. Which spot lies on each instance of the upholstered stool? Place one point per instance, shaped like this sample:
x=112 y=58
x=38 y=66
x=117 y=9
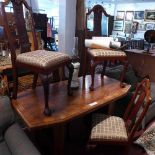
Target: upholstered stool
x=44 y=62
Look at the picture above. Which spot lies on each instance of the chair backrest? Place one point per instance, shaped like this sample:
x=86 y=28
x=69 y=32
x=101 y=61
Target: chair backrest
x=137 y=107
x=16 y=31
x=96 y=13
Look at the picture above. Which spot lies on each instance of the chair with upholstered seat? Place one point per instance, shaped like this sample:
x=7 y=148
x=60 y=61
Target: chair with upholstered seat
x=115 y=130
x=99 y=51
x=41 y=62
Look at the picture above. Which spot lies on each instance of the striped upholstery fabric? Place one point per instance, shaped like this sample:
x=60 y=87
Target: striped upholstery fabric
x=43 y=58
x=108 y=128
x=106 y=53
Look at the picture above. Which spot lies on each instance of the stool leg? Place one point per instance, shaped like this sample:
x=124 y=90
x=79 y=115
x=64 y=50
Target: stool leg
x=45 y=81
x=104 y=67
x=93 y=65
x=35 y=78
x=71 y=70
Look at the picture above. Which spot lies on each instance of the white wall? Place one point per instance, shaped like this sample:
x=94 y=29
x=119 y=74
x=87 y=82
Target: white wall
x=67 y=20
x=134 y=7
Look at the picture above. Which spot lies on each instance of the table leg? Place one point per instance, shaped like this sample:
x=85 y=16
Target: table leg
x=59 y=138
x=111 y=108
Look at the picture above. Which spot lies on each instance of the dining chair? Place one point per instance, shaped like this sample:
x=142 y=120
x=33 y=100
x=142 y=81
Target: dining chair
x=122 y=131
x=40 y=62
x=98 y=54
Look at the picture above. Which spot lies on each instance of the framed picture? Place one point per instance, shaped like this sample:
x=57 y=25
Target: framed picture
x=118 y=25
x=149 y=26
x=120 y=15
x=141 y=27
x=134 y=27
x=149 y=15
x=139 y=15
x=128 y=25
x=129 y=15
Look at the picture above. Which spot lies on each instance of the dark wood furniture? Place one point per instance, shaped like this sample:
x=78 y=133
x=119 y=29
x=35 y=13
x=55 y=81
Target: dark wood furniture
x=100 y=56
x=98 y=12
x=115 y=130
x=29 y=105
x=143 y=62
x=38 y=61
x=134 y=44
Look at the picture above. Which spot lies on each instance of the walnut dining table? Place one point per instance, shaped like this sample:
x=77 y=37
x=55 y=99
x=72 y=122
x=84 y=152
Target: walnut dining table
x=30 y=104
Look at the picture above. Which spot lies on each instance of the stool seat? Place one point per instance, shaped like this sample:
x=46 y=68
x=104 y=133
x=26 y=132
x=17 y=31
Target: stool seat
x=106 y=53
x=43 y=59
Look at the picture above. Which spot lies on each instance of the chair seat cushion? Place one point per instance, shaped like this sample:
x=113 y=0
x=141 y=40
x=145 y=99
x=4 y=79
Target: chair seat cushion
x=108 y=128
x=43 y=59
x=106 y=53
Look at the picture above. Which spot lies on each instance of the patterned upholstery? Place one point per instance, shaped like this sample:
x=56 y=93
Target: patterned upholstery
x=106 y=53
x=42 y=58
x=108 y=128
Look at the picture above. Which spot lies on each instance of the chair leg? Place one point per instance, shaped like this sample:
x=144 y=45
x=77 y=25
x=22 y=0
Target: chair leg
x=93 y=65
x=71 y=70
x=45 y=81
x=84 y=70
x=123 y=74
x=103 y=71
x=35 y=78
x=15 y=83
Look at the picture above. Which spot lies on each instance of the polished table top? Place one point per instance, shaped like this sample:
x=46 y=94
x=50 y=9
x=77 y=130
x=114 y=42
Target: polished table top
x=30 y=103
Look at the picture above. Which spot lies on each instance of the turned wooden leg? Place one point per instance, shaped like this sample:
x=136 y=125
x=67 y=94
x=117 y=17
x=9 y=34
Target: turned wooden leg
x=84 y=63
x=93 y=65
x=15 y=83
x=71 y=70
x=103 y=70
x=35 y=78
x=45 y=81
x=123 y=74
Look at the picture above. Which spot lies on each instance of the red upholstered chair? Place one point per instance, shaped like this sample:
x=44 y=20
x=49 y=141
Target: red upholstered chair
x=116 y=130
x=97 y=53
x=41 y=62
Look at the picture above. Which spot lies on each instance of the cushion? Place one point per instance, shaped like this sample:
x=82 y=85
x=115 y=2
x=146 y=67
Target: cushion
x=147 y=140
x=108 y=128
x=106 y=53
x=130 y=76
x=7 y=115
x=43 y=59
x=98 y=43
x=4 y=150
x=18 y=142
x=115 y=44
x=152 y=91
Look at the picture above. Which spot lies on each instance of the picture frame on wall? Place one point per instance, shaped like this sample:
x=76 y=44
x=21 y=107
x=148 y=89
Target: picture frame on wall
x=141 y=27
x=149 y=26
x=120 y=15
x=118 y=25
x=129 y=15
x=138 y=15
x=134 y=27
x=127 y=27
x=149 y=15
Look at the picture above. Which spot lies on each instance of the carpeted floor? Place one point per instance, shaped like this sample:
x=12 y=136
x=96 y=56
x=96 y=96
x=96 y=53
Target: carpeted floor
x=25 y=82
